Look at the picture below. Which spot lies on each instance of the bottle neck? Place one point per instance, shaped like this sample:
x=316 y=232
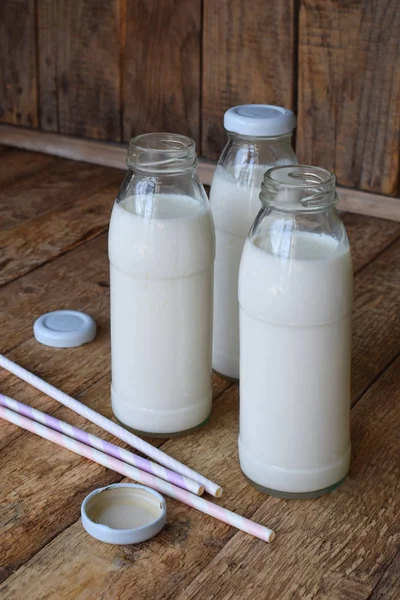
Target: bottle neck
x=298 y=188
x=162 y=154
x=245 y=152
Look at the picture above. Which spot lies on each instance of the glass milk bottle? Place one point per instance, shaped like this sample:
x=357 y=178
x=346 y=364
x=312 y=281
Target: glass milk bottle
x=161 y=250
x=295 y=296
x=259 y=137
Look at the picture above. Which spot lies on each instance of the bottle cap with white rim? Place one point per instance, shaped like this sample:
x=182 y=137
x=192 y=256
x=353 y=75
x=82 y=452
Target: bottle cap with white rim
x=259 y=120
x=64 y=329
x=123 y=513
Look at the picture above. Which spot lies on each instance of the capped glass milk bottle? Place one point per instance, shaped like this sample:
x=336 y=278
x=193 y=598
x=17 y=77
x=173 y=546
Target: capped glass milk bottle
x=161 y=250
x=258 y=138
x=295 y=297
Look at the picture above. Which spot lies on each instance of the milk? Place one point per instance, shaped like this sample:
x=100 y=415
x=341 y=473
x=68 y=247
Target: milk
x=235 y=203
x=295 y=336
x=161 y=271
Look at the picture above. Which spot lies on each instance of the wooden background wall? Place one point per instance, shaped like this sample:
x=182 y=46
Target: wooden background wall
x=109 y=69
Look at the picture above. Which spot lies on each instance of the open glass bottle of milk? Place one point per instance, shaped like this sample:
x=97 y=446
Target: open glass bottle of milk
x=259 y=137
x=161 y=250
x=295 y=296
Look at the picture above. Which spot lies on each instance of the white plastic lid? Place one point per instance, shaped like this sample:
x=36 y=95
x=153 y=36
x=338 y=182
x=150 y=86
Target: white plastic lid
x=259 y=120
x=123 y=513
x=64 y=329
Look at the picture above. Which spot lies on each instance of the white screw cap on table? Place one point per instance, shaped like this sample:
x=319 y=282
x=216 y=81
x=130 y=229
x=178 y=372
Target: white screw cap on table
x=64 y=329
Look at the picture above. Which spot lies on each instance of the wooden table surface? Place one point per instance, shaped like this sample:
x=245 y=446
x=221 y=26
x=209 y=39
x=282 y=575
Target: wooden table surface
x=53 y=238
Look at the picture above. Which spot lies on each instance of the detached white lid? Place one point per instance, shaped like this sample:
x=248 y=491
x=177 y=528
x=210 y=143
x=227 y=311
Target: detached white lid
x=259 y=120
x=123 y=513
x=64 y=329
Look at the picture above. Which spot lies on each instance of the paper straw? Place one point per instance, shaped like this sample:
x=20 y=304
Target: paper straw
x=103 y=445
x=209 y=508
x=116 y=430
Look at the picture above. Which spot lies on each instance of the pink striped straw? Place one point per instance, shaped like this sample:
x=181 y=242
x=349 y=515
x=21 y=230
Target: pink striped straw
x=103 y=445
x=209 y=508
x=108 y=425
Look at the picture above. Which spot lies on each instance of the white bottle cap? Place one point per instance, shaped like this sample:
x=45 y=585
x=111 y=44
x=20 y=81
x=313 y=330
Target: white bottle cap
x=259 y=120
x=64 y=329
x=123 y=513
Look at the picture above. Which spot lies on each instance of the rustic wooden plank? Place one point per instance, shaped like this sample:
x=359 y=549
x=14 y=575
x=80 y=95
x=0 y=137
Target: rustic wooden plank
x=248 y=56
x=79 y=149
x=18 y=87
x=82 y=38
x=49 y=183
x=349 y=91
x=18 y=165
x=389 y=586
x=376 y=322
x=166 y=95
x=365 y=203
x=192 y=539
x=368 y=237
x=337 y=546
x=48 y=49
x=57 y=231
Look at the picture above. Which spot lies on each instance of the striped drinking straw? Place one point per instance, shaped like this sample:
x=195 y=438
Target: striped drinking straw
x=103 y=445
x=108 y=425
x=209 y=508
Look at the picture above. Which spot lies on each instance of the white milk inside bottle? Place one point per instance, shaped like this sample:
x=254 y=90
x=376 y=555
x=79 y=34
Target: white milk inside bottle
x=259 y=137
x=161 y=249
x=295 y=296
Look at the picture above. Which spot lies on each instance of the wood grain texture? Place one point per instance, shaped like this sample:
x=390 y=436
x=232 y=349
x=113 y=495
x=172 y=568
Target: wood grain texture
x=349 y=91
x=51 y=234
x=376 y=318
x=368 y=237
x=50 y=182
x=18 y=85
x=79 y=149
x=365 y=203
x=18 y=166
x=52 y=206
x=388 y=587
x=48 y=49
x=80 y=48
x=248 y=56
x=161 y=67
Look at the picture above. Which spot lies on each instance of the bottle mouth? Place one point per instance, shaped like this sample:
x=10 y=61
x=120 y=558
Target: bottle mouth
x=299 y=187
x=161 y=153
